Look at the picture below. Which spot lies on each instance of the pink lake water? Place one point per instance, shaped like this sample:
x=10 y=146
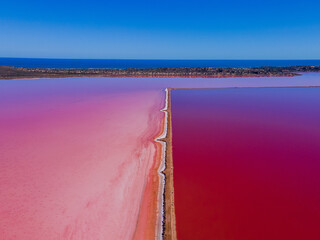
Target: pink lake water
x=246 y=163
x=75 y=166
x=77 y=155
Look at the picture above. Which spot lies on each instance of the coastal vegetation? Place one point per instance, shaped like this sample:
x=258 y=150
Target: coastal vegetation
x=7 y=72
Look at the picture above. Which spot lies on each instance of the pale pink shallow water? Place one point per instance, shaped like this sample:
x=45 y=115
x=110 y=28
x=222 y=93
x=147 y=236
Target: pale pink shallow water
x=75 y=154
x=75 y=167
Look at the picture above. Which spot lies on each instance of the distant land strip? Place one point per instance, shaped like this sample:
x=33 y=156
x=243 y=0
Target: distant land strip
x=7 y=72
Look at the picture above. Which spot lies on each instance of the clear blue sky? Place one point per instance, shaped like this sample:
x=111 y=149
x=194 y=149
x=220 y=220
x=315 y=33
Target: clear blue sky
x=161 y=29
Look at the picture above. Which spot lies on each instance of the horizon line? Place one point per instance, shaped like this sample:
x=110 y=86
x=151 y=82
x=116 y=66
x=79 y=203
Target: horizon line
x=165 y=59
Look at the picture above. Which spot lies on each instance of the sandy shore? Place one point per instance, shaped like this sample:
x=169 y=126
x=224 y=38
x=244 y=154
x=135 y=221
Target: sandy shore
x=159 y=193
x=169 y=214
x=149 y=225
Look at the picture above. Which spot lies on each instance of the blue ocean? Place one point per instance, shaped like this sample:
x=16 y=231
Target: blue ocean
x=123 y=63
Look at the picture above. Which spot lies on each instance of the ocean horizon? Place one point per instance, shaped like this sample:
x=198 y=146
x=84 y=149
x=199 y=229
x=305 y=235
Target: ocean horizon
x=148 y=63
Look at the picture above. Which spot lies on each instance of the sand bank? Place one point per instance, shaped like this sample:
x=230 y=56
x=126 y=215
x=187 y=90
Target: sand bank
x=169 y=226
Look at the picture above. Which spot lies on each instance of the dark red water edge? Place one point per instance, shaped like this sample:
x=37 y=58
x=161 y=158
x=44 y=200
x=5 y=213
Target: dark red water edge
x=247 y=163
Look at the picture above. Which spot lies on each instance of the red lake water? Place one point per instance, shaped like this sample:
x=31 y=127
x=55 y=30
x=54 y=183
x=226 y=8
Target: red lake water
x=247 y=163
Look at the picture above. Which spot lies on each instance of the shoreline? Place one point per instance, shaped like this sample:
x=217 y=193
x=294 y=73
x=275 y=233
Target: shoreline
x=169 y=221
x=153 y=217
x=162 y=167
x=149 y=223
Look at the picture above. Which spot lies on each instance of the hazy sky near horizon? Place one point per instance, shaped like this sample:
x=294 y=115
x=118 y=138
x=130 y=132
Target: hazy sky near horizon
x=166 y=29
